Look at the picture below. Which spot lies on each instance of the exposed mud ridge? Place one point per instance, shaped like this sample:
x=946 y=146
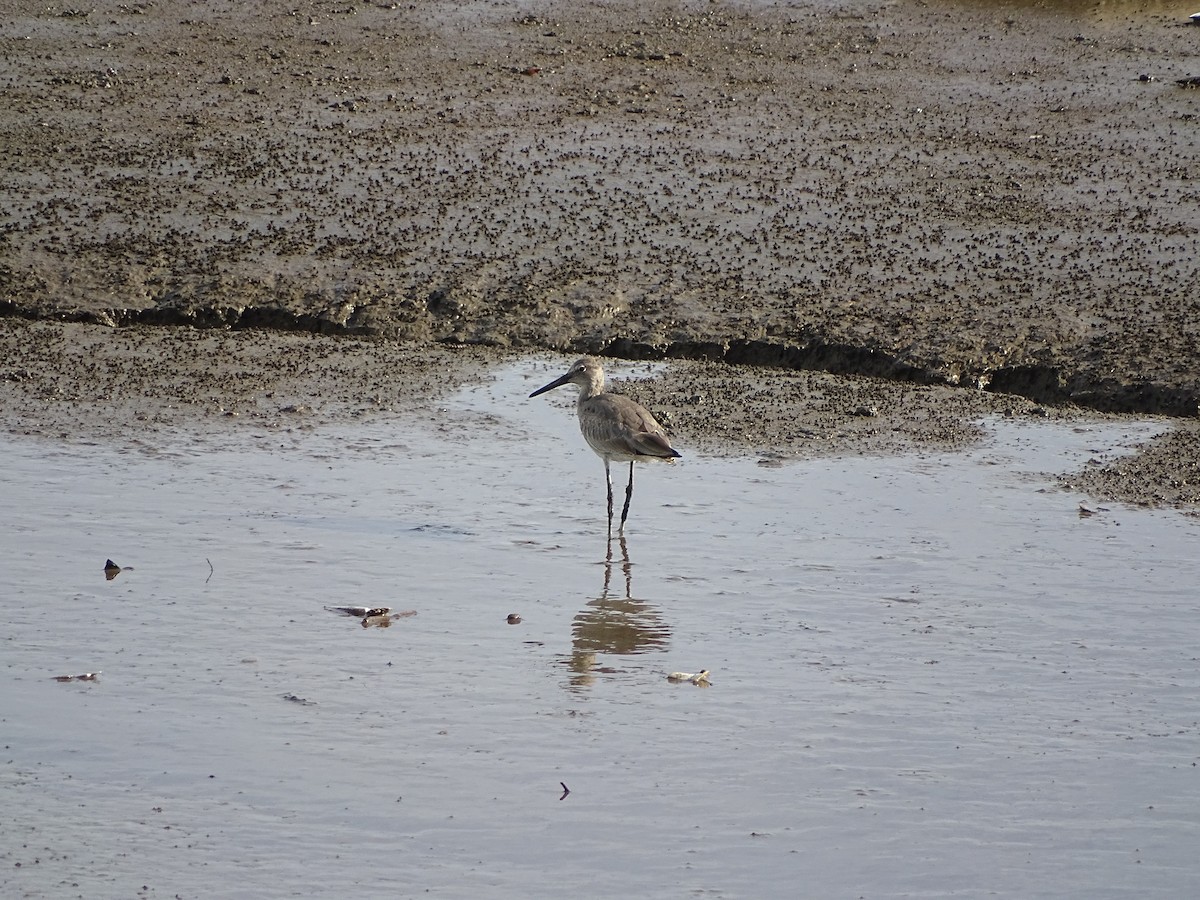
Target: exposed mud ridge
x=234 y=317
x=1042 y=384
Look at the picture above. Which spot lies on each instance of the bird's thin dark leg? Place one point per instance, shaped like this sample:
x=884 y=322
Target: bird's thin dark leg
x=628 y=497
x=608 y=481
x=626 y=567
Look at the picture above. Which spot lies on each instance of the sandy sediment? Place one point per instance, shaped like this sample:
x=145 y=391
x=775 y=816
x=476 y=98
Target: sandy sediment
x=940 y=196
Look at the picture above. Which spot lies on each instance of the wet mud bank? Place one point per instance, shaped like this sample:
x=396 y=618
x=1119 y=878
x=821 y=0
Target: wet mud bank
x=1047 y=384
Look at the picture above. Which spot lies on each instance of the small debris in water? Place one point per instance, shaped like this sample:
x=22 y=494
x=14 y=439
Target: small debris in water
x=566 y=790
x=86 y=676
x=700 y=679
x=513 y=619
x=111 y=570
x=372 y=616
x=360 y=612
x=301 y=700
x=383 y=620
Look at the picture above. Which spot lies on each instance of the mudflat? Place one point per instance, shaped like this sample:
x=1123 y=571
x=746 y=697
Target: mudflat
x=216 y=213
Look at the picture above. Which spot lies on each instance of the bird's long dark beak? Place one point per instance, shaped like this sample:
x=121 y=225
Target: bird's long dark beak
x=557 y=382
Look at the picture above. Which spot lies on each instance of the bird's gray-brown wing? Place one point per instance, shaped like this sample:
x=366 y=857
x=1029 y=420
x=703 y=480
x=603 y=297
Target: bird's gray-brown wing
x=621 y=428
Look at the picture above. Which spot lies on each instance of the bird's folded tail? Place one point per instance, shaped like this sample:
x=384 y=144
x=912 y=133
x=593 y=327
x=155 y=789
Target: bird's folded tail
x=649 y=443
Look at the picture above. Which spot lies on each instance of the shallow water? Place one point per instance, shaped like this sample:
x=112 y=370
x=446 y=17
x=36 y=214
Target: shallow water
x=930 y=675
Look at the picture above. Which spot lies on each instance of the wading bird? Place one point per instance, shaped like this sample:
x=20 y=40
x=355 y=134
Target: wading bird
x=617 y=428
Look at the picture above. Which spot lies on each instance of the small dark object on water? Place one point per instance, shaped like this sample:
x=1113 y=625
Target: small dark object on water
x=1084 y=512
x=111 y=570
x=301 y=700
x=513 y=619
x=378 y=616
x=381 y=619
x=86 y=676
x=566 y=790
x=1192 y=82
x=360 y=612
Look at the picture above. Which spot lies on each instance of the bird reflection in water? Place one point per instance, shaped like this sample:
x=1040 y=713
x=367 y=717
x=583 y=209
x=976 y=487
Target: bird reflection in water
x=615 y=626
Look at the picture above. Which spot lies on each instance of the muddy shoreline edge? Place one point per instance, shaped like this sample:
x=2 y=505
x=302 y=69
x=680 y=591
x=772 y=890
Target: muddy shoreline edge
x=1055 y=384
x=149 y=387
